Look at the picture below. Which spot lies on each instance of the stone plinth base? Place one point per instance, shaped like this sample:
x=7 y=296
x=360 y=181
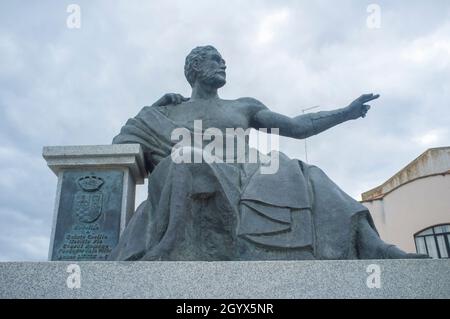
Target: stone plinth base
x=266 y=280
x=94 y=198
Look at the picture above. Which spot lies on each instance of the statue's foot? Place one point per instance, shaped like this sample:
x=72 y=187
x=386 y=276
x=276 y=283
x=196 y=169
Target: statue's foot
x=417 y=256
x=392 y=252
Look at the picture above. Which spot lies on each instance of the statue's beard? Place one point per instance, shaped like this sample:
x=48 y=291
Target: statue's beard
x=212 y=79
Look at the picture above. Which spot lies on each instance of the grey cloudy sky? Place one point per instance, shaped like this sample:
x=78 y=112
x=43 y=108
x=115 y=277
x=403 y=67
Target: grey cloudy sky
x=61 y=86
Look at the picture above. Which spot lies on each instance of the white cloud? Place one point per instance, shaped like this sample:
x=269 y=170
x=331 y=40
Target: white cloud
x=432 y=50
x=431 y=138
x=270 y=25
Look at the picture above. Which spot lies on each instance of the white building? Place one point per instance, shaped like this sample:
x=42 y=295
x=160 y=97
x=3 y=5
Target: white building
x=412 y=208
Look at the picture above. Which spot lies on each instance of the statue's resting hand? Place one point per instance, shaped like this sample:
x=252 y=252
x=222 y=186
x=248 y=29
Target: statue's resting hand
x=358 y=108
x=170 y=98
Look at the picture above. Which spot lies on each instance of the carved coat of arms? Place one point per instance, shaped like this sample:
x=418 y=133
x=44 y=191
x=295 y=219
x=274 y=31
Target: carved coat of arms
x=88 y=201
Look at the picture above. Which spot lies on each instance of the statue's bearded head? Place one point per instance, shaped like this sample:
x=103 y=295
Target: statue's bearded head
x=205 y=65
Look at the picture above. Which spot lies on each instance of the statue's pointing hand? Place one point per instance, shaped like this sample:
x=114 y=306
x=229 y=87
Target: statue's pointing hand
x=358 y=108
x=170 y=99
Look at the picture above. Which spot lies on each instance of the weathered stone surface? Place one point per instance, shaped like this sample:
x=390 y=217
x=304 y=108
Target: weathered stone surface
x=274 y=279
x=119 y=156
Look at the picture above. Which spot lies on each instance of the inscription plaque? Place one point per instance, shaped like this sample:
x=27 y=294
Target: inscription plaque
x=89 y=215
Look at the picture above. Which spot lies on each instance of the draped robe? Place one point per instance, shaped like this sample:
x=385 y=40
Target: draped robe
x=232 y=211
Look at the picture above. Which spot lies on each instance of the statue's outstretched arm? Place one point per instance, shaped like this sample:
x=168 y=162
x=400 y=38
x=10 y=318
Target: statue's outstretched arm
x=310 y=124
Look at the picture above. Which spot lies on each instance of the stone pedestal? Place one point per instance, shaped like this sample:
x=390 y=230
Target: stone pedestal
x=410 y=278
x=95 y=197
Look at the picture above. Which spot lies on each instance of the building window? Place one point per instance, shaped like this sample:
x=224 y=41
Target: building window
x=434 y=241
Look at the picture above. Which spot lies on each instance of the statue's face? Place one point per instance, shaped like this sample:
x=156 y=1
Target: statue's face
x=211 y=70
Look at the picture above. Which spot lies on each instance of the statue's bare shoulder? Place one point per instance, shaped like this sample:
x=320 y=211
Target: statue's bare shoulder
x=249 y=106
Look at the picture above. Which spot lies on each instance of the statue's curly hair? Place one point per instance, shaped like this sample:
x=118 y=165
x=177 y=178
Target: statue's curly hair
x=197 y=54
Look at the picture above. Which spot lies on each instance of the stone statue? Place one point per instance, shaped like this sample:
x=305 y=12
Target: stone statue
x=230 y=210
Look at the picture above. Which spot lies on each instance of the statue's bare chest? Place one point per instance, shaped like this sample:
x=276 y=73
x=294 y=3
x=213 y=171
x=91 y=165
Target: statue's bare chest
x=221 y=115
